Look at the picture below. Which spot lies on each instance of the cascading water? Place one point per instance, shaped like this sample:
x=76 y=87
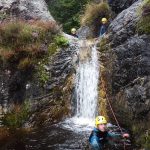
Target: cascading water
x=86 y=85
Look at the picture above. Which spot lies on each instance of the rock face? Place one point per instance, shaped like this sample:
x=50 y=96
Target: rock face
x=59 y=89
x=120 y=5
x=128 y=78
x=26 y=9
x=60 y=68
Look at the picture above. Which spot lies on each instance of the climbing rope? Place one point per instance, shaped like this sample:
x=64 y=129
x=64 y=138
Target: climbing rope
x=109 y=103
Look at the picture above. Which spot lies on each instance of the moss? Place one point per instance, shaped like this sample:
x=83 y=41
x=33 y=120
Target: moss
x=142 y=136
x=3 y=15
x=103 y=45
x=143 y=25
x=61 y=41
x=17 y=116
x=42 y=73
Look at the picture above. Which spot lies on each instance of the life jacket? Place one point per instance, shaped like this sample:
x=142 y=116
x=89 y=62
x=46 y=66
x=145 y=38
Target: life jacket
x=101 y=136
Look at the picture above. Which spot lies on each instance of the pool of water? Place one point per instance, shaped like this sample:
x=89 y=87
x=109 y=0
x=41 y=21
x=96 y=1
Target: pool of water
x=71 y=134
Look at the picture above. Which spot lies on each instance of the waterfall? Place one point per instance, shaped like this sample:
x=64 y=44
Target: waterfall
x=86 y=86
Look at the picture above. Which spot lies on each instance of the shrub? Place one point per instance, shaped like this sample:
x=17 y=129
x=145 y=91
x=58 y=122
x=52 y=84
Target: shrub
x=143 y=26
x=103 y=44
x=61 y=41
x=94 y=12
x=17 y=116
x=23 y=43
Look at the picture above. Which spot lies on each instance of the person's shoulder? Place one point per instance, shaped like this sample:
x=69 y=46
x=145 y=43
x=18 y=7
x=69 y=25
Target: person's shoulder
x=95 y=129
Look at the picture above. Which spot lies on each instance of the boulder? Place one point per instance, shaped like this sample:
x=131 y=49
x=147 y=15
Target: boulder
x=25 y=9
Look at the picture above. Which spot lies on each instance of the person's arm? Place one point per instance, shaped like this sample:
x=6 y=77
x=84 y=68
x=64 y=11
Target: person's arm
x=115 y=135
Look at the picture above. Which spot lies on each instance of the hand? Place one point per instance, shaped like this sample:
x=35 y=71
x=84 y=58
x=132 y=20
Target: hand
x=125 y=135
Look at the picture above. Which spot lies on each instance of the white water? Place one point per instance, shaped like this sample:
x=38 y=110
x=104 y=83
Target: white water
x=86 y=87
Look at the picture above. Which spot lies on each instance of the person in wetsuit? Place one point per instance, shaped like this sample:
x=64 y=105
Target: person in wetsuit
x=103 y=27
x=100 y=136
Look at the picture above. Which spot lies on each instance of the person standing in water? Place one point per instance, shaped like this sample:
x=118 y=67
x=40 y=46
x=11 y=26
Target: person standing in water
x=100 y=136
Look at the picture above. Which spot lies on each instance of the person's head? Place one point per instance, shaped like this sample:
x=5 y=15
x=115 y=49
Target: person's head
x=101 y=123
x=104 y=20
x=73 y=30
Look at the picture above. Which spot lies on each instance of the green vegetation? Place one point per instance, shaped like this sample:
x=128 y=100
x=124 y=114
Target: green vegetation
x=43 y=74
x=142 y=136
x=95 y=12
x=61 y=41
x=27 y=46
x=103 y=45
x=143 y=26
x=67 y=12
x=3 y=15
x=23 y=44
x=17 y=116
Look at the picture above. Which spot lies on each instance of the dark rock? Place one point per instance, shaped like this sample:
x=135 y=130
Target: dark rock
x=124 y=25
x=62 y=65
x=120 y=5
x=128 y=85
x=84 y=32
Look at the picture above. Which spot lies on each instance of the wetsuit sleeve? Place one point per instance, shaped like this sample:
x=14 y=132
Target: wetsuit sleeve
x=113 y=135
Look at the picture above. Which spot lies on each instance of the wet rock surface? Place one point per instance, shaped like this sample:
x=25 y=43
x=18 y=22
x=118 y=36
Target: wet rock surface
x=131 y=66
x=120 y=5
x=129 y=60
x=25 y=9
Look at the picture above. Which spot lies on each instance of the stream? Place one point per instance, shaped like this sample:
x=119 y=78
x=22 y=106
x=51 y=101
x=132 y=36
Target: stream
x=73 y=133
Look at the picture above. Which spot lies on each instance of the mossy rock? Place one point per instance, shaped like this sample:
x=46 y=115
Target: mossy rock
x=25 y=43
x=17 y=116
x=143 y=26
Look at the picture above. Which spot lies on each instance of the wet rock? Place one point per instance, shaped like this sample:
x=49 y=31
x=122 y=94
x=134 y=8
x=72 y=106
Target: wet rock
x=84 y=32
x=124 y=25
x=62 y=65
x=127 y=71
x=25 y=9
x=119 y=5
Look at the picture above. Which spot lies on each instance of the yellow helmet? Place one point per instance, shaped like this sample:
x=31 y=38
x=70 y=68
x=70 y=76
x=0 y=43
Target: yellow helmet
x=73 y=30
x=104 y=20
x=100 y=120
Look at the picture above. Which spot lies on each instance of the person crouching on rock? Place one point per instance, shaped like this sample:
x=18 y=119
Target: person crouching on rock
x=74 y=32
x=100 y=136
